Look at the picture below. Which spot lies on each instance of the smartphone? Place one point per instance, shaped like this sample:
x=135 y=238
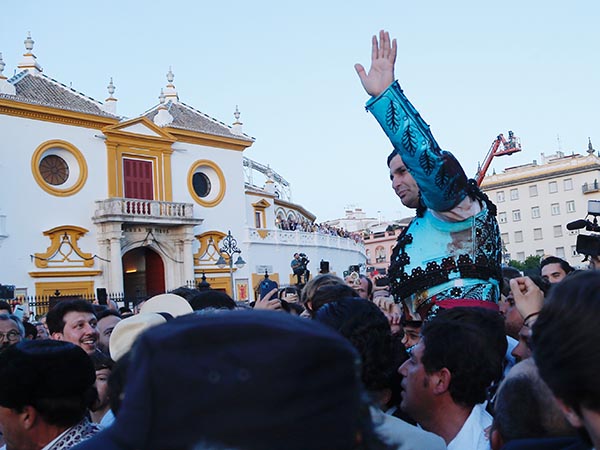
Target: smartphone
x=267 y=286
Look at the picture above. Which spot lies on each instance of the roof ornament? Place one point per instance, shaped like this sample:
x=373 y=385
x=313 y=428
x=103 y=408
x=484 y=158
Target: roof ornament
x=590 y=149
x=5 y=86
x=29 y=61
x=163 y=117
x=111 y=88
x=29 y=42
x=237 y=125
x=170 y=91
x=110 y=104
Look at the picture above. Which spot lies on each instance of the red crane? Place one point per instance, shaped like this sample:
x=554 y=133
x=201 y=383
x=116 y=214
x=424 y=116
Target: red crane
x=499 y=147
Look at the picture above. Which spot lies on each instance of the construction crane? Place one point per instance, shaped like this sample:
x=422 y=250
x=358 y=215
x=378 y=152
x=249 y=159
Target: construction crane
x=499 y=147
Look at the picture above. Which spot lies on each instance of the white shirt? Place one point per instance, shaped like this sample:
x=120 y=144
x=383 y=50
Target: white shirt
x=403 y=436
x=472 y=434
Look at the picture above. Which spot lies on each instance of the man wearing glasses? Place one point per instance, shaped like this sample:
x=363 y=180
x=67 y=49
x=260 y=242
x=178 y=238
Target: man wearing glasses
x=11 y=331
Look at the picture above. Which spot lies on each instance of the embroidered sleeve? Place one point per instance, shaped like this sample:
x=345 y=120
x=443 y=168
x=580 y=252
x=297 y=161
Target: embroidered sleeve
x=440 y=177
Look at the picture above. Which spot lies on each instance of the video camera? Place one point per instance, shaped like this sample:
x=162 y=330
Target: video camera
x=588 y=244
x=303 y=260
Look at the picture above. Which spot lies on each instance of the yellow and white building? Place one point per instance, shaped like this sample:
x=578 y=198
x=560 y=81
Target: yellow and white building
x=93 y=200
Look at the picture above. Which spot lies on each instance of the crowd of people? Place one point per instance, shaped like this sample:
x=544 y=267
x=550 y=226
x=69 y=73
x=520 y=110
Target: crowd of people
x=193 y=369
x=290 y=224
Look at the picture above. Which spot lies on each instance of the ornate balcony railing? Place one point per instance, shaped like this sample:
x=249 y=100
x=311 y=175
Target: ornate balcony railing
x=144 y=211
x=301 y=239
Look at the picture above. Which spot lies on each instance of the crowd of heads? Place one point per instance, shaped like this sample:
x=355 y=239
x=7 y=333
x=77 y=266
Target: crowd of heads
x=307 y=226
x=250 y=376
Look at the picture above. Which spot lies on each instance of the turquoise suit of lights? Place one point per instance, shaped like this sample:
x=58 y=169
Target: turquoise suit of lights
x=437 y=263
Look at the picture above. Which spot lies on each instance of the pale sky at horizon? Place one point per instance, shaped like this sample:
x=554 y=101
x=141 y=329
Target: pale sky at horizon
x=473 y=69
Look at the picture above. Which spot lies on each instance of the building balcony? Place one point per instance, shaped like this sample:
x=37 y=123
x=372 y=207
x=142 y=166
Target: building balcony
x=130 y=210
x=588 y=188
x=301 y=239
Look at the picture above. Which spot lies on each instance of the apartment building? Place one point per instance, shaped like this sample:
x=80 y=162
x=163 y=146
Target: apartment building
x=535 y=202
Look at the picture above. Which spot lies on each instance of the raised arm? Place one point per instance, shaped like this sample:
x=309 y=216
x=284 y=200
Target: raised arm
x=441 y=179
x=381 y=72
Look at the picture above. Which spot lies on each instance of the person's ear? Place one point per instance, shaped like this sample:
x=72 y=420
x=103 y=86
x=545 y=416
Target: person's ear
x=496 y=441
x=441 y=381
x=57 y=336
x=28 y=417
x=572 y=417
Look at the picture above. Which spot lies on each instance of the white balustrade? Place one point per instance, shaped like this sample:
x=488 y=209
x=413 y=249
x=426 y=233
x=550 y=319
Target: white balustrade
x=136 y=210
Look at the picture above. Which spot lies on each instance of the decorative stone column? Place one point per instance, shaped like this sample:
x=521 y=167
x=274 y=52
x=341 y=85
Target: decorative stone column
x=116 y=265
x=188 y=258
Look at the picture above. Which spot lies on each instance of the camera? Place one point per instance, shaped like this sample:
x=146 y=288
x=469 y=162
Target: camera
x=303 y=260
x=588 y=244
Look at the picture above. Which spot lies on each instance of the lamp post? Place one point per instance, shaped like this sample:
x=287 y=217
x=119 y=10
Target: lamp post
x=229 y=247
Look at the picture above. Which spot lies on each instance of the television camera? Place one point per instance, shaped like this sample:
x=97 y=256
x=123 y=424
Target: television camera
x=588 y=244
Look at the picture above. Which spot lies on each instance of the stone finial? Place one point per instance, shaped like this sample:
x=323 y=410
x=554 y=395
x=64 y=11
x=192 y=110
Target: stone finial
x=110 y=104
x=236 y=128
x=111 y=87
x=29 y=61
x=5 y=86
x=163 y=117
x=170 y=92
x=29 y=42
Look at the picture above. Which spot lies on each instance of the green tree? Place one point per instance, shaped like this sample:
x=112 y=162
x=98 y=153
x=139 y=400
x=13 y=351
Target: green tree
x=531 y=262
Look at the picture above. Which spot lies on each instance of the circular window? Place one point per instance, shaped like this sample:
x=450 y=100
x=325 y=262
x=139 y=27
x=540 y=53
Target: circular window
x=54 y=170
x=59 y=168
x=201 y=184
x=206 y=183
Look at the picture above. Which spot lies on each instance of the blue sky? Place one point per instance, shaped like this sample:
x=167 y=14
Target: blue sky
x=474 y=69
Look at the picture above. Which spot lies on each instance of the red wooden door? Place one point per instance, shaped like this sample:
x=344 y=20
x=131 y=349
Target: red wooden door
x=137 y=177
x=155 y=273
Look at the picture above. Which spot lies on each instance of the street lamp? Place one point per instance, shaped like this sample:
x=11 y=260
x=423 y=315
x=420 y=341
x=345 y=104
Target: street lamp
x=230 y=248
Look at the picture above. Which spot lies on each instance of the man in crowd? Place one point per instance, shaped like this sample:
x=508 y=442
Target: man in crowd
x=5 y=307
x=446 y=379
x=367 y=328
x=74 y=321
x=361 y=284
x=297 y=267
x=566 y=351
x=100 y=411
x=46 y=389
x=12 y=331
x=450 y=253
x=525 y=409
x=107 y=320
x=555 y=269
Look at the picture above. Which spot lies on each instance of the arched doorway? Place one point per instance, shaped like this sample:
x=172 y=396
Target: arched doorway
x=143 y=273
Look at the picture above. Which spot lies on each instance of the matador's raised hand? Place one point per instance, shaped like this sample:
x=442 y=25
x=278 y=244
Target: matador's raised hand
x=383 y=58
